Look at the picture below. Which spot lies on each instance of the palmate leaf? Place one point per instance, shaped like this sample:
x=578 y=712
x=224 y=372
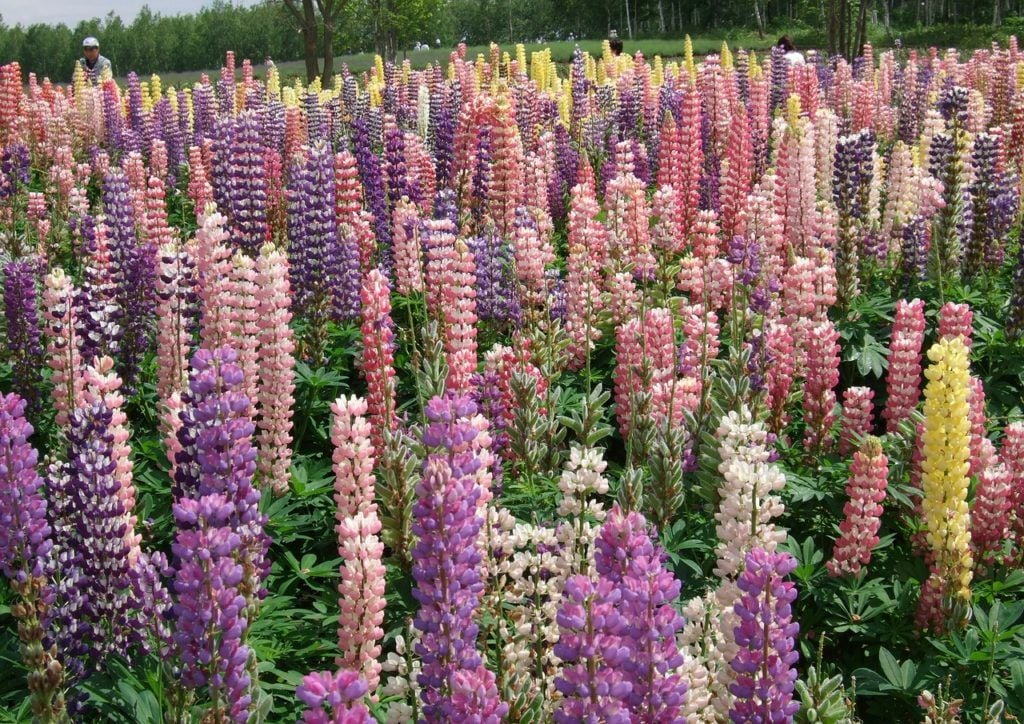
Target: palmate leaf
x=907 y=678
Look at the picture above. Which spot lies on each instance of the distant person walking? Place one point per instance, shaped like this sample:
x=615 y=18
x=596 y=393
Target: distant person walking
x=792 y=55
x=615 y=43
x=96 y=67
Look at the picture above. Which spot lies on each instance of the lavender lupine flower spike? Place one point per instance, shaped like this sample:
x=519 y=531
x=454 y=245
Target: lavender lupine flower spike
x=23 y=331
x=593 y=680
x=220 y=545
x=626 y=556
x=134 y=269
x=248 y=186
x=209 y=613
x=102 y=601
x=334 y=698
x=25 y=554
x=446 y=563
x=217 y=457
x=765 y=664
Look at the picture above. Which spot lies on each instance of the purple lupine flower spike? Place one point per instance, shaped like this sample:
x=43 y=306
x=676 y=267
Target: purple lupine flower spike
x=626 y=557
x=26 y=555
x=14 y=169
x=25 y=544
x=134 y=268
x=113 y=120
x=334 y=698
x=217 y=457
x=446 y=561
x=247 y=186
x=497 y=299
x=220 y=546
x=593 y=680
x=372 y=176
x=23 y=330
x=97 y=314
x=102 y=597
x=765 y=665
x=442 y=126
x=209 y=614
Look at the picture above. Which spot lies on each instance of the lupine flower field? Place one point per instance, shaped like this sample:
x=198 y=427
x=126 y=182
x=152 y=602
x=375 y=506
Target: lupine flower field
x=623 y=391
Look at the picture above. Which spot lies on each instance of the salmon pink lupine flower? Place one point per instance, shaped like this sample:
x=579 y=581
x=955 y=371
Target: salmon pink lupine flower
x=779 y=373
x=866 y=491
x=991 y=512
x=276 y=368
x=438 y=237
x=738 y=173
x=62 y=344
x=377 y=362
x=629 y=224
x=903 y=380
x=819 y=384
x=507 y=183
x=956 y=320
x=459 y=331
x=361 y=590
x=588 y=249
x=533 y=252
x=858 y=420
x=629 y=359
x=408 y=248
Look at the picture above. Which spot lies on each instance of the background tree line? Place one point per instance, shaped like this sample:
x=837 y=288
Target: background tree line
x=295 y=29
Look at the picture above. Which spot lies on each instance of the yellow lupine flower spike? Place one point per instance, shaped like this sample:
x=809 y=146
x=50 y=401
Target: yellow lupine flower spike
x=945 y=463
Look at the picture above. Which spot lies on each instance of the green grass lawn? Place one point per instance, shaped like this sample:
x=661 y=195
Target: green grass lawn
x=963 y=37
x=561 y=52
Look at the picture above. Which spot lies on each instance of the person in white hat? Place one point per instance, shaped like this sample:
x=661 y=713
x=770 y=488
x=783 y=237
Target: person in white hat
x=96 y=67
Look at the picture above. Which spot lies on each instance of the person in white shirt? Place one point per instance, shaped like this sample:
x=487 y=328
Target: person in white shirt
x=96 y=67
x=792 y=56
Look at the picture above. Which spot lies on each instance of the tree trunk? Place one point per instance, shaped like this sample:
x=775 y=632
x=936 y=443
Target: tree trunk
x=329 y=11
x=328 y=75
x=862 y=30
x=306 y=18
x=661 y=17
x=629 y=27
x=759 y=18
x=996 y=19
x=309 y=40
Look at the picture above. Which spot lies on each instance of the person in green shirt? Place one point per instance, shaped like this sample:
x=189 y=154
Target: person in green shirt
x=96 y=67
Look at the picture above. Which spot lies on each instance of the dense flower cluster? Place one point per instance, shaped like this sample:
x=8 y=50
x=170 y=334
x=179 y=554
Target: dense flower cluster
x=715 y=239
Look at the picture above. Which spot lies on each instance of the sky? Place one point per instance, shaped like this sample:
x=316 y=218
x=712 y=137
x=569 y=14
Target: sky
x=70 y=12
